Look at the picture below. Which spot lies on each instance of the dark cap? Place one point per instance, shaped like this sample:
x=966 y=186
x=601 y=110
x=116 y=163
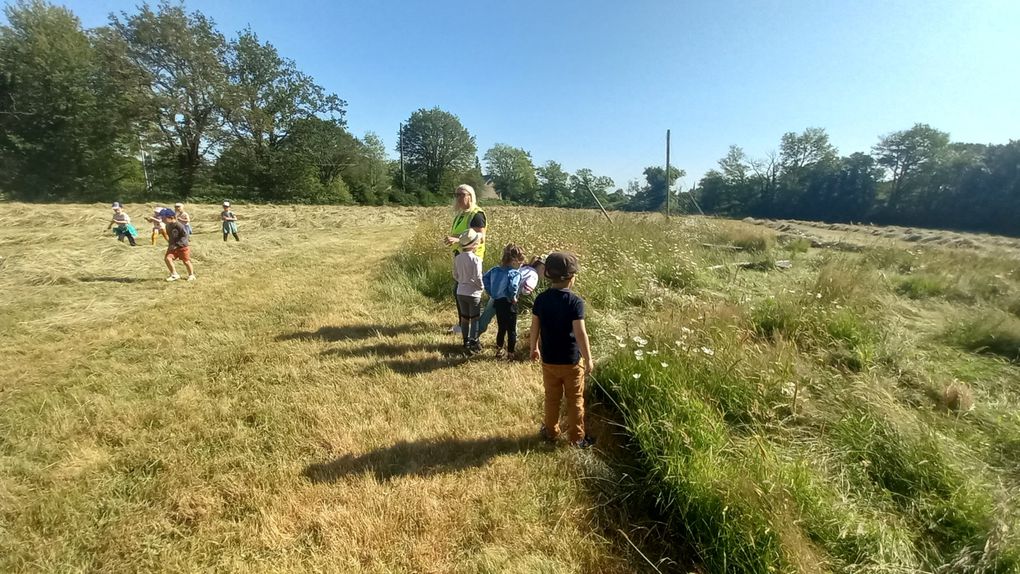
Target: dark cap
x=560 y=266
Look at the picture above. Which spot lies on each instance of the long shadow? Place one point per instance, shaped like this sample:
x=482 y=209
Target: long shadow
x=349 y=332
x=113 y=279
x=421 y=458
x=394 y=350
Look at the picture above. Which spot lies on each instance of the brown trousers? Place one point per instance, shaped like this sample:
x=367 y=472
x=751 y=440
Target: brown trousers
x=564 y=382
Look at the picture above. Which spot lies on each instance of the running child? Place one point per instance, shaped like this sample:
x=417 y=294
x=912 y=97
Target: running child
x=158 y=227
x=503 y=284
x=123 y=223
x=183 y=216
x=229 y=222
x=467 y=271
x=558 y=322
x=178 y=245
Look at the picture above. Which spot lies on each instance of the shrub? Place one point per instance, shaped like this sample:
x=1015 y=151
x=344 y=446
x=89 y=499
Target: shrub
x=994 y=333
x=776 y=317
x=922 y=286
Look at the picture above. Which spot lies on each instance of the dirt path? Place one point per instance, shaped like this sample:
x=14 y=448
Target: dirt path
x=277 y=415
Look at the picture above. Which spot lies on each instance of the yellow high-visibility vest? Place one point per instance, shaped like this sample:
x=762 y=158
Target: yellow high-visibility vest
x=462 y=223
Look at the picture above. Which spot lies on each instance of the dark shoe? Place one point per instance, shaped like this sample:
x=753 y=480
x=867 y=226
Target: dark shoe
x=499 y=352
x=586 y=442
x=543 y=433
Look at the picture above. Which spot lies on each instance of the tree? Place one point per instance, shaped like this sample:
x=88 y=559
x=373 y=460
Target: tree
x=267 y=99
x=734 y=166
x=652 y=196
x=585 y=186
x=65 y=125
x=181 y=58
x=553 y=185
x=910 y=156
x=512 y=173
x=369 y=177
x=437 y=151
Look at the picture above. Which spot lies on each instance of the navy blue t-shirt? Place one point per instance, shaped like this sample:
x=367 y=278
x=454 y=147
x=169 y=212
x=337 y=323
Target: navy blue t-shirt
x=557 y=309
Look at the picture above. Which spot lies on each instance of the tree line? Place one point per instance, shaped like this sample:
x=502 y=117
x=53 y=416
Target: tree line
x=914 y=177
x=160 y=104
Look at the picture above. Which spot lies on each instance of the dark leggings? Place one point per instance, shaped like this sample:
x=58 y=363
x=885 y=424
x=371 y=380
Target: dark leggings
x=506 y=320
x=236 y=238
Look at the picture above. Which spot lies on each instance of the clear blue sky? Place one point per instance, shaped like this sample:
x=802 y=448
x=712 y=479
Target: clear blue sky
x=595 y=83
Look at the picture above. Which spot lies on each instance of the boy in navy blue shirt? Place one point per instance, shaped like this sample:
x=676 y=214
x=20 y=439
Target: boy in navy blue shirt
x=502 y=284
x=558 y=322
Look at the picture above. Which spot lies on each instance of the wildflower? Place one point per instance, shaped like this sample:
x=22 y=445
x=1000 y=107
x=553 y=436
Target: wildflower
x=636 y=376
x=818 y=295
x=621 y=345
x=618 y=338
x=707 y=351
x=653 y=352
x=639 y=354
x=640 y=341
x=664 y=365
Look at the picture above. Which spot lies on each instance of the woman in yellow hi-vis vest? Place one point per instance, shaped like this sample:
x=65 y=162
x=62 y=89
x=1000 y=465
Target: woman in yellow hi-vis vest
x=467 y=216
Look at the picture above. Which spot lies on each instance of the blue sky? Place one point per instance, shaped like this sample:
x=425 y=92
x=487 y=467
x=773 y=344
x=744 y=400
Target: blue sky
x=594 y=83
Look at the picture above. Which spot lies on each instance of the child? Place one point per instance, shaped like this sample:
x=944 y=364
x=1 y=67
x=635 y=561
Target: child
x=123 y=223
x=183 y=216
x=178 y=247
x=158 y=228
x=530 y=275
x=229 y=222
x=502 y=284
x=467 y=271
x=558 y=321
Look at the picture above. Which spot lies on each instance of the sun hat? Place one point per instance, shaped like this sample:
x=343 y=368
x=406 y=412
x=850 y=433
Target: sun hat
x=226 y=204
x=117 y=205
x=560 y=266
x=469 y=238
x=158 y=210
x=178 y=204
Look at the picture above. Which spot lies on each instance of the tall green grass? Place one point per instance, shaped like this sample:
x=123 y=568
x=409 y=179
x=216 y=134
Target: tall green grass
x=763 y=406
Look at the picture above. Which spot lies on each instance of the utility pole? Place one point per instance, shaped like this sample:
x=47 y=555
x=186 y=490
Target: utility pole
x=400 y=144
x=667 y=174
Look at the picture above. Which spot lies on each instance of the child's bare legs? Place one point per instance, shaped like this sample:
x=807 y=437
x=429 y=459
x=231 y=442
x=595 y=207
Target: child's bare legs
x=190 y=268
x=170 y=263
x=155 y=234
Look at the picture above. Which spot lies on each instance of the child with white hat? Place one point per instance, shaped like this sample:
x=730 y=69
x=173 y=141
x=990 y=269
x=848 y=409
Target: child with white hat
x=229 y=222
x=467 y=271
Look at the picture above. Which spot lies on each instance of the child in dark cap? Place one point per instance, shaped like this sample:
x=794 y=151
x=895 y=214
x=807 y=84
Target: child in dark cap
x=558 y=322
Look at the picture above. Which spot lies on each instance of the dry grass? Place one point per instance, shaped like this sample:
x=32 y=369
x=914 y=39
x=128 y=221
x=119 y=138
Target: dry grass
x=279 y=414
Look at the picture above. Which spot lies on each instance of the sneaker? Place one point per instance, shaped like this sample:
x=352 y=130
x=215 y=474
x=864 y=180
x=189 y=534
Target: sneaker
x=586 y=442
x=173 y=277
x=191 y=278
x=543 y=433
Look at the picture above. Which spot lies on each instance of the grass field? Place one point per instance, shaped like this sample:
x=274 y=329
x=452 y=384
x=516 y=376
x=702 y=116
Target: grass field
x=300 y=406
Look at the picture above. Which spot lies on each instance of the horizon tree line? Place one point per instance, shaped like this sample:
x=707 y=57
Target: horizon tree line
x=159 y=104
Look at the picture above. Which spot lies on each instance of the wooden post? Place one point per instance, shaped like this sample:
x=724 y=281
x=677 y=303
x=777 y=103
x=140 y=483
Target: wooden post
x=667 y=174
x=400 y=144
x=596 y=198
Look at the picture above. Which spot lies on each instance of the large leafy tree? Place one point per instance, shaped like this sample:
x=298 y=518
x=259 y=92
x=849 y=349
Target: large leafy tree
x=652 y=197
x=553 y=184
x=585 y=186
x=512 y=173
x=181 y=57
x=66 y=127
x=267 y=100
x=911 y=156
x=437 y=151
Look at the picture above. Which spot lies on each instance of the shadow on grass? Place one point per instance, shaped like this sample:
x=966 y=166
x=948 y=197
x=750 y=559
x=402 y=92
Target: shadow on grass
x=114 y=279
x=394 y=350
x=421 y=458
x=349 y=332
